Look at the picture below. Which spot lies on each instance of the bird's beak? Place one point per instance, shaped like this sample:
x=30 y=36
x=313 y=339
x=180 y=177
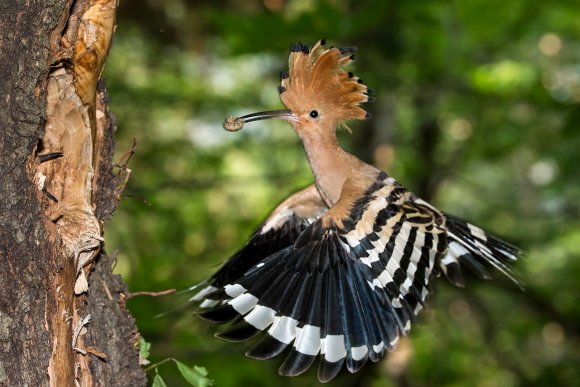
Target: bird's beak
x=233 y=124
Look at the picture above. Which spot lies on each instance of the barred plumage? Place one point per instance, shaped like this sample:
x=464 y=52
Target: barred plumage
x=341 y=269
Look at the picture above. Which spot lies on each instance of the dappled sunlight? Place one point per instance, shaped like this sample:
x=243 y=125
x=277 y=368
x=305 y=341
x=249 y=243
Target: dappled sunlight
x=506 y=76
x=563 y=83
x=550 y=44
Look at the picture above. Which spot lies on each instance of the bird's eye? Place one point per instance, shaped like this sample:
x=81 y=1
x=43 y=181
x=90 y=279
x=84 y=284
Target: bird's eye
x=314 y=114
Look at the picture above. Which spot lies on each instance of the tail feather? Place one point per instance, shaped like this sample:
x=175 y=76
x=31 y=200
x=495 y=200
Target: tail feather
x=296 y=363
x=353 y=319
x=266 y=348
x=330 y=325
x=239 y=331
x=312 y=301
x=472 y=248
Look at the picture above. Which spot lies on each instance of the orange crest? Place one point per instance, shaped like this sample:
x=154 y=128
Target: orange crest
x=318 y=80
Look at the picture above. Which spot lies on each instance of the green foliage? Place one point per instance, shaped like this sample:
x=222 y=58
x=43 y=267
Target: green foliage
x=144 y=351
x=196 y=376
x=158 y=381
x=477 y=111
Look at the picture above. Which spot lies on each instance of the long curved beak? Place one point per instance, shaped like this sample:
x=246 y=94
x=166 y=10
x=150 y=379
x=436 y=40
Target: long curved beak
x=233 y=124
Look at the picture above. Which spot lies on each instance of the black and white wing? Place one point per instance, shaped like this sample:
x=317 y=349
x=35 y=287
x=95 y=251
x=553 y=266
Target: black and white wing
x=473 y=249
x=344 y=291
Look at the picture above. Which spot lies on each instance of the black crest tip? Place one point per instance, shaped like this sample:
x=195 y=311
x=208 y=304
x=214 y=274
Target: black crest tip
x=284 y=75
x=295 y=47
x=299 y=47
x=281 y=89
x=347 y=50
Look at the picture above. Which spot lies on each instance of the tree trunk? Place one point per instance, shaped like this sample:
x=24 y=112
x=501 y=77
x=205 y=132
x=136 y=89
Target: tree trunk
x=56 y=328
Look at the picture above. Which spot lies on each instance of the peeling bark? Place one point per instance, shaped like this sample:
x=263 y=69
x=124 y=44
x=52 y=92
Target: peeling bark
x=60 y=325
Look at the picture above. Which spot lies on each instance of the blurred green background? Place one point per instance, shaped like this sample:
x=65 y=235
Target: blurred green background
x=477 y=111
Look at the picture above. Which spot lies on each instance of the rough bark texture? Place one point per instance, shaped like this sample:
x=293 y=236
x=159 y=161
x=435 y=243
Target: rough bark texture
x=51 y=57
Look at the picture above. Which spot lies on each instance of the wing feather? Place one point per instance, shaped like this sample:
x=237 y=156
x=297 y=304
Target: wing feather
x=473 y=248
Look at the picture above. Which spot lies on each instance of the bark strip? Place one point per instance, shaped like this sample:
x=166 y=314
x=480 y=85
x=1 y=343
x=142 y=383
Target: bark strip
x=52 y=311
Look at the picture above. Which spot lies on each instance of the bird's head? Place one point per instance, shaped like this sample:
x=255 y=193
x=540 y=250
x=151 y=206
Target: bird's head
x=319 y=92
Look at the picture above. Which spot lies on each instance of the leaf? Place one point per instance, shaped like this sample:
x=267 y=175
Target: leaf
x=144 y=351
x=201 y=370
x=196 y=376
x=158 y=381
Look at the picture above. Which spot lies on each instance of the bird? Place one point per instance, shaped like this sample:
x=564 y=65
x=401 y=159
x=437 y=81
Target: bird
x=340 y=269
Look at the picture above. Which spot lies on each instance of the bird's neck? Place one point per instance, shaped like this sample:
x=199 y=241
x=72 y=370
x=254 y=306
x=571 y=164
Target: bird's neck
x=331 y=165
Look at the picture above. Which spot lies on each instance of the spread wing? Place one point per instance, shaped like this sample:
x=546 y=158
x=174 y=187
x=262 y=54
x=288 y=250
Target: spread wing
x=345 y=290
x=279 y=231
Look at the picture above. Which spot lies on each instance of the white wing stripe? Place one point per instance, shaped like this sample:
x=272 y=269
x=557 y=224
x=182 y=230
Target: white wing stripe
x=261 y=317
x=243 y=303
x=448 y=259
x=203 y=292
x=332 y=347
x=378 y=348
x=234 y=290
x=358 y=353
x=419 y=242
x=373 y=257
x=382 y=280
x=400 y=242
x=456 y=249
x=308 y=340
x=477 y=232
x=208 y=303
x=283 y=329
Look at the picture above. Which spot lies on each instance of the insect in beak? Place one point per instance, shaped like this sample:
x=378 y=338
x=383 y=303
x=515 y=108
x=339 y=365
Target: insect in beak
x=233 y=124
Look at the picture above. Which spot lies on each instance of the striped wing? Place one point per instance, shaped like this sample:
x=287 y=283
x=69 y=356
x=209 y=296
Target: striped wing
x=346 y=293
x=399 y=239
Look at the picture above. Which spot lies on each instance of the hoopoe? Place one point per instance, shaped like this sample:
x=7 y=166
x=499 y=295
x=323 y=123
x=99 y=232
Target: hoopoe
x=342 y=268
